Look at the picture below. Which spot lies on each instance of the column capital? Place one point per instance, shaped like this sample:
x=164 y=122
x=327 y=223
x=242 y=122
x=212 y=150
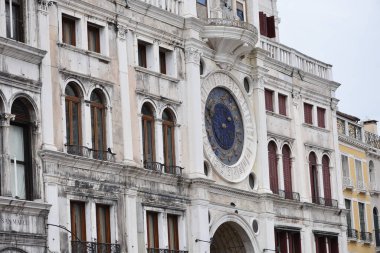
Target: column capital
x=121 y=31
x=6 y=118
x=192 y=55
x=43 y=6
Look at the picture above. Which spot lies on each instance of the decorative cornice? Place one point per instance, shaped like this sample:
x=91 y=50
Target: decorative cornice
x=158 y=98
x=353 y=142
x=21 y=51
x=68 y=73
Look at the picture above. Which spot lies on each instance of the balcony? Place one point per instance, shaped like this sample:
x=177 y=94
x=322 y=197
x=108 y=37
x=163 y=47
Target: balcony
x=295 y=59
x=352 y=234
x=152 y=250
x=372 y=139
x=347 y=183
x=289 y=195
x=162 y=168
x=361 y=187
x=325 y=202
x=374 y=188
x=90 y=153
x=366 y=237
x=94 y=247
x=173 y=6
x=231 y=38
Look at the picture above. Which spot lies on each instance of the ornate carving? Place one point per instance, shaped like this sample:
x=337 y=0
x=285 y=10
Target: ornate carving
x=5 y=119
x=121 y=31
x=296 y=95
x=192 y=55
x=43 y=5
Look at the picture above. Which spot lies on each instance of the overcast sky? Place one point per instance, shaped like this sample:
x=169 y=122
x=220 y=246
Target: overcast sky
x=346 y=34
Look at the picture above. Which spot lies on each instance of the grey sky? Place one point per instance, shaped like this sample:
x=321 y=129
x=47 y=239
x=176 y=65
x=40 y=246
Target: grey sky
x=346 y=34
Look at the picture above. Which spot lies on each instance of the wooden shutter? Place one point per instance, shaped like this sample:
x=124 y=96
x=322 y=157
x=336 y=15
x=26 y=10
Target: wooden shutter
x=321 y=117
x=276 y=241
x=269 y=100
x=308 y=113
x=141 y=48
x=297 y=243
x=271 y=27
x=334 y=245
x=263 y=23
x=162 y=62
x=313 y=177
x=283 y=242
x=282 y=104
x=272 y=157
x=326 y=179
x=287 y=167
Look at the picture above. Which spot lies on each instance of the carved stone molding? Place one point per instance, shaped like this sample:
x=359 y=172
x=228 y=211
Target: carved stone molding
x=192 y=55
x=121 y=31
x=296 y=95
x=5 y=119
x=43 y=5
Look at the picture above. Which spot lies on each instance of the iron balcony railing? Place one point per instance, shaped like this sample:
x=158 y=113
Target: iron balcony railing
x=325 y=202
x=289 y=195
x=162 y=168
x=366 y=237
x=94 y=247
x=153 y=250
x=105 y=155
x=352 y=234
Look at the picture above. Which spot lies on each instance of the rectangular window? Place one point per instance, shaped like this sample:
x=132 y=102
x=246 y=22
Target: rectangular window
x=347 y=203
x=141 y=48
x=345 y=166
x=326 y=244
x=282 y=104
x=362 y=217
x=14 y=20
x=308 y=113
x=93 y=37
x=78 y=220
x=321 y=117
x=152 y=230
x=203 y=2
x=68 y=30
x=269 y=100
x=267 y=25
x=103 y=224
x=240 y=10
x=287 y=241
x=359 y=171
x=173 y=232
x=162 y=61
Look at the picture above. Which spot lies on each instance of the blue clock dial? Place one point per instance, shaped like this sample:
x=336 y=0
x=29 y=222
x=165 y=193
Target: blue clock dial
x=224 y=126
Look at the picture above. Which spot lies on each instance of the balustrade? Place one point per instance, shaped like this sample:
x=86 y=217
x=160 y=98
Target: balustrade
x=173 y=6
x=347 y=183
x=366 y=237
x=153 y=250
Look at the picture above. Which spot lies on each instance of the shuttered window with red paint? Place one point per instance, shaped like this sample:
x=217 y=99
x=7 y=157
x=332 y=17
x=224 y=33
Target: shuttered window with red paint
x=269 y=100
x=267 y=25
x=308 y=113
x=263 y=23
x=272 y=156
x=326 y=180
x=287 y=166
x=282 y=104
x=271 y=27
x=313 y=178
x=287 y=241
x=321 y=117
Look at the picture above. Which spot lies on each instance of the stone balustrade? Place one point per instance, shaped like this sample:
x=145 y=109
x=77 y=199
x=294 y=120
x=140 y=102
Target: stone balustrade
x=173 y=6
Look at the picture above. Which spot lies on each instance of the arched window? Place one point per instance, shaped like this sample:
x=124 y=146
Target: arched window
x=148 y=133
x=20 y=142
x=326 y=180
x=313 y=177
x=98 y=126
x=168 y=140
x=376 y=226
x=287 y=166
x=273 y=176
x=73 y=119
x=371 y=172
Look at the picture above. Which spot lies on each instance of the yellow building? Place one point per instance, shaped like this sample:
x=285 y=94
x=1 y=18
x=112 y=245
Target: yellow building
x=356 y=184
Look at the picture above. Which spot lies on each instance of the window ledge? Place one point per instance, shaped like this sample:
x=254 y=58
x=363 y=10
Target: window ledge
x=277 y=115
x=21 y=51
x=101 y=57
x=316 y=128
x=157 y=74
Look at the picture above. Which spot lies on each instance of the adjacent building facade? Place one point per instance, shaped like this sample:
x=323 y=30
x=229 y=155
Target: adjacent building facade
x=164 y=126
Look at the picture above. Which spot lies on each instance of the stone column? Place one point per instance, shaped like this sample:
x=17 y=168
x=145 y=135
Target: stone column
x=53 y=235
x=6 y=170
x=320 y=181
x=131 y=220
x=280 y=172
x=124 y=90
x=47 y=115
x=261 y=166
x=159 y=145
x=3 y=28
x=194 y=114
x=199 y=225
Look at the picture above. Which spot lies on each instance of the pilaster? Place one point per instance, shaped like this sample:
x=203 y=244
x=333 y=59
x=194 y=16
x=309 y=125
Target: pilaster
x=320 y=181
x=6 y=170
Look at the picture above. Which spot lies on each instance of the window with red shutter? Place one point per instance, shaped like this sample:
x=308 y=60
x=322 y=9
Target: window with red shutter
x=269 y=100
x=272 y=157
x=271 y=27
x=287 y=241
x=308 y=113
x=313 y=178
x=263 y=23
x=321 y=117
x=326 y=179
x=282 y=104
x=287 y=167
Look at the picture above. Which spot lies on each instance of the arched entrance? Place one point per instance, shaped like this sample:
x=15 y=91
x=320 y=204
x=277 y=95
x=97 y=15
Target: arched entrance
x=231 y=238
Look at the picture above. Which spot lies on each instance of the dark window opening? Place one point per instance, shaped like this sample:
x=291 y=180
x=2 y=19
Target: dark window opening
x=148 y=133
x=308 y=113
x=98 y=125
x=272 y=157
x=93 y=37
x=14 y=20
x=267 y=25
x=141 y=48
x=282 y=104
x=269 y=100
x=68 y=30
x=162 y=55
x=173 y=232
x=313 y=178
x=287 y=241
x=169 y=137
x=73 y=116
x=321 y=117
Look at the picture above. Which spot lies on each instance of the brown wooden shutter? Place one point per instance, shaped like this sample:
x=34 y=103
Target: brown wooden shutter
x=308 y=113
x=282 y=104
x=297 y=243
x=272 y=156
x=321 y=117
x=287 y=167
x=326 y=179
x=334 y=245
x=276 y=241
x=269 y=100
x=283 y=242
x=313 y=176
x=263 y=23
x=271 y=27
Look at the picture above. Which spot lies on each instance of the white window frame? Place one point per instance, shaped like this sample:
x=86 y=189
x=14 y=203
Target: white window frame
x=243 y=2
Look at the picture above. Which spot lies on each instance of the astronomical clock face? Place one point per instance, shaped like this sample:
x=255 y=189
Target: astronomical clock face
x=229 y=132
x=224 y=126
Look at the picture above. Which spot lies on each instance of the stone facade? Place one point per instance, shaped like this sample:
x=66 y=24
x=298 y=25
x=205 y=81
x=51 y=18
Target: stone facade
x=121 y=58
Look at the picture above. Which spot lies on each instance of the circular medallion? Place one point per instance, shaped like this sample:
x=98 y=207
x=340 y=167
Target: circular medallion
x=230 y=140
x=224 y=126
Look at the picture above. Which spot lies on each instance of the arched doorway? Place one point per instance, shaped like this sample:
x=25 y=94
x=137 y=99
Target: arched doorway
x=231 y=238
